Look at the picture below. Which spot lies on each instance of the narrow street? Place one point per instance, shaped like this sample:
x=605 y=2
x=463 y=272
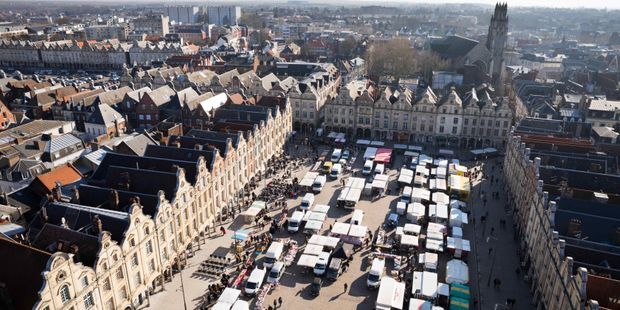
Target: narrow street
x=496 y=256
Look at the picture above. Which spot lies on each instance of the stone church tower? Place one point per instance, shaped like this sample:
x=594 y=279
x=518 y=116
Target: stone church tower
x=496 y=43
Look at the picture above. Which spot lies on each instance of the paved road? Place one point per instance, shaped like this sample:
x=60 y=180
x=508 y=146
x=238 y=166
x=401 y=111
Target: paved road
x=495 y=247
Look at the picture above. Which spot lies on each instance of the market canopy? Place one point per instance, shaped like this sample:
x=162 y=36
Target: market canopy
x=457 y=272
x=460 y=291
x=414 y=148
x=363 y=142
x=241 y=235
x=400 y=146
x=330 y=242
x=358 y=231
x=306 y=260
x=313 y=225
x=229 y=296
x=340 y=228
x=313 y=249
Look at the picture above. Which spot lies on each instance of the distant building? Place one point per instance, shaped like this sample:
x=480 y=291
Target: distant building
x=224 y=15
x=152 y=24
x=106 y=32
x=182 y=14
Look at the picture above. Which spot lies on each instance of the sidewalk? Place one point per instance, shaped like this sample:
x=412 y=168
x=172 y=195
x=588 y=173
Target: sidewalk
x=495 y=252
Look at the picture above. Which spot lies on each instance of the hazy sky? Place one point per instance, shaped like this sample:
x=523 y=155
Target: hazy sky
x=599 y=4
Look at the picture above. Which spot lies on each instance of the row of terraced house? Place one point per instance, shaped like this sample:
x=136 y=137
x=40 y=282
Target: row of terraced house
x=109 y=241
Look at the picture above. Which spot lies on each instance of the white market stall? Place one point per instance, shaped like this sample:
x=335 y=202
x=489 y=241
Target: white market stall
x=429 y=261
x=457 y=272
x=412 y=229
x=405 y=177
x=391 y=294
x=313 y=227
x=306 y=260
x=458 y=247
x=308 y=179
x=424 y=285
x=313 y=249
x=415 y=212
x=320 y=208
x=409 y=241
x=330 y=242
x=438 y=213
x=457 y=232
x=435 y=184
x=370 y=153
x=420 y=195
x=442 y=198
x=229 y=296
x=251 y=213
x=457 y=204
x=420 y=304
x=457 y=218
x=401 y=208
x=340 y=229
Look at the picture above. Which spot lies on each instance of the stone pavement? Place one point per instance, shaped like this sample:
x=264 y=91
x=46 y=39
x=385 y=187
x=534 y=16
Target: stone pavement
x=494 y=247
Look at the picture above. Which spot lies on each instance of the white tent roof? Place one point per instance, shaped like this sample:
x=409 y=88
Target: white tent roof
x=421 y=193
x=438 y=210
x=221 y=306
x=419 y=304
x=457 y=232
x=441 y=198
x=229 y=296
x=457 y=204
x=240 y=305
x=251 y=211
x=317 y=216
x=457 y=272
x=340 y=228
x=412 y=228
x=409 y=240
x=458 y=217
x=313 y=249
x=435 y=245
x=434 y=227
x=429 y=260
x=321 y=208
x=313 y=225
x=458 y=243
x=358 y=231
x=443 y=289
x=307 y=260
x=417 y=209
x=330 y=242
x=424 y=283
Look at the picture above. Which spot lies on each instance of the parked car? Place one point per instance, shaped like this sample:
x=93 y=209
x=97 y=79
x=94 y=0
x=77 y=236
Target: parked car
x=345 y=154
x=315 y=287
x=276 y=272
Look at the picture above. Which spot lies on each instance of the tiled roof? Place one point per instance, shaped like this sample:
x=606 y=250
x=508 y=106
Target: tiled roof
x=44 y=183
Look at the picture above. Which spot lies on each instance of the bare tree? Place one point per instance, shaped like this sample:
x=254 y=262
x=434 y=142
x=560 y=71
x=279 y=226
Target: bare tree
x=397 y=59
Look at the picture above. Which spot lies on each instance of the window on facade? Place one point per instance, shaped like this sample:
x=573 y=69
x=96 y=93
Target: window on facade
x=504 y=132
x=395 y=125
x=152 y=265
x=474 y=121
x=305 y=114
x=385 y=115
x=453 y=130
x=385 y=123
x=106 y=284
x=89 y=302
x=441 y=129
x=84 y=281
x=466 y=121
x=137 y=279
x=119 y=273
x=297 y=114
x=141 y=117
x=496 y=132
x=505 y=123
x=480 y=131
x=422 y=127
x=132 y=242
x=489 y=132
x=311 y=114
x=496 y=123
x=455 y=121
x=148 y=117
x=376 y=123
x=442 y=120
x=149 y=247
x=482 y=122
x=64 y=294
x=405 y=126
x=123 y=293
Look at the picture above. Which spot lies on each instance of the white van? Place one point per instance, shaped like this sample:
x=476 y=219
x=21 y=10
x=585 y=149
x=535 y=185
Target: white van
x=321 y=265
x=295 y=221
x=307 y=202
x=336 y=169
x=375 y=273
x=255 y=281
x=274 y=253
x=368 y=165
x=379 y=168
x=406 y=196
x=276 y=272
x=317 y=186
x=336 y=155
x=357 y=217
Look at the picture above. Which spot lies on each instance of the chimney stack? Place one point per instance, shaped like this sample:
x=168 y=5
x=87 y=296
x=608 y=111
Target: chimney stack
x=57 y=191
x=75 y=195
x=113 y=199
x=97 y=225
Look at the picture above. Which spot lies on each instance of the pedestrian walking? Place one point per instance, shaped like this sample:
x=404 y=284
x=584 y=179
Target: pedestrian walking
x=490 y=250
x=280 y=301
x=223 y=230
x=275 y=304
x=346 y=287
